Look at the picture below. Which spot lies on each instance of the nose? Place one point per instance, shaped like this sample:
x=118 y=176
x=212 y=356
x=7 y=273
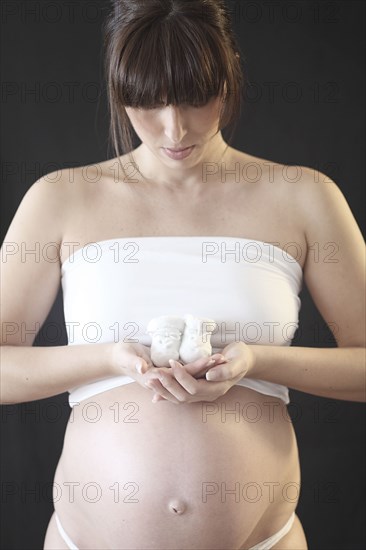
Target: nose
x=174 y=124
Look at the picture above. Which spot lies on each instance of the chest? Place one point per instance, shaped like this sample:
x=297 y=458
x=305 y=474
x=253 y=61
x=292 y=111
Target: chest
x=254 y=213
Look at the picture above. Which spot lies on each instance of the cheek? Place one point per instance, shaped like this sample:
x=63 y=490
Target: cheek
x=141 y=121
x=203 y=122
x=207 y=117
x=144 y=124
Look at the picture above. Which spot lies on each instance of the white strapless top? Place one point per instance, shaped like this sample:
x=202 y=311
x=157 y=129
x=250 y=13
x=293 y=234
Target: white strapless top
x=112 y=288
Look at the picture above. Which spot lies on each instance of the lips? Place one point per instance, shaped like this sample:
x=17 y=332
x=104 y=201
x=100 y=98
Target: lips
x=177 y=150
x=178 y=154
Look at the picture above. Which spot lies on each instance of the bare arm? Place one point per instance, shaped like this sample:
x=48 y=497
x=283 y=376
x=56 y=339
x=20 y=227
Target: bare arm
x=30 y=279
x=30 y=373
x=337 y=373
x=336 y=283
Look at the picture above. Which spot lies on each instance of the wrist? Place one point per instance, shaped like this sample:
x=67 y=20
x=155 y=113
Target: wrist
x=113 y=365
x=258 y=360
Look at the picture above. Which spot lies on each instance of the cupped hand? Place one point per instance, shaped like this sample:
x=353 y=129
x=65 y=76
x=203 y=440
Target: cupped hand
x=180 y=384
x=134 y=360
x=131 y=359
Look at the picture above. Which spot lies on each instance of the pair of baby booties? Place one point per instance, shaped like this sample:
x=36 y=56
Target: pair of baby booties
x=186 y=339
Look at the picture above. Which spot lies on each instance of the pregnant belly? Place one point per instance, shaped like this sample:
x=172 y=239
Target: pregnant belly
x=139 y=475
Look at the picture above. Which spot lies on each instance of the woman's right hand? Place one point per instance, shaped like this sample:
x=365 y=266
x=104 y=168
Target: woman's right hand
x=134 y=360
x=127 y=357
x=131 y=359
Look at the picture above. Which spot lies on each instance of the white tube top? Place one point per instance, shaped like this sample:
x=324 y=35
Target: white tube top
x=112 y=288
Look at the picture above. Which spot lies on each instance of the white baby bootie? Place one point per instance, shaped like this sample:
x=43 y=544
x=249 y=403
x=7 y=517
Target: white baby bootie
x=196 y=339
x=166 y=333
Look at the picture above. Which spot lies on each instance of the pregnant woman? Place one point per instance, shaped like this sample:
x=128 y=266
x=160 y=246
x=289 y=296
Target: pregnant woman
x=198 y=455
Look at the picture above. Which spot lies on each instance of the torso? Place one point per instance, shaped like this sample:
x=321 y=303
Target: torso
x=164 y=456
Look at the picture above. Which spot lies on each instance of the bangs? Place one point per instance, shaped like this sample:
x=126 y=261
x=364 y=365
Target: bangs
x=169 y=52
x=166 y=63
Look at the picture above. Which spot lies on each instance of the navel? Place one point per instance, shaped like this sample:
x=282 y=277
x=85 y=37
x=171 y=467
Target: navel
x=176 y=506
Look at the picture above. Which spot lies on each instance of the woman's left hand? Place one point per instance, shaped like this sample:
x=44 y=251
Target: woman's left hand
x=179 y=384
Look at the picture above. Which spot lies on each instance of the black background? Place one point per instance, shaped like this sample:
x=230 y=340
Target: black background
x=305 y=106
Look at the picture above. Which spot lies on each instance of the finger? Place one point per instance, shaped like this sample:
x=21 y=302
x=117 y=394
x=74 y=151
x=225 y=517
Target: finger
x=172 y=386
x=226 y=372
x=148 y=360
x=200 y=388
x=142 y=365
x=201 y=365
x=158 y=388
x=158 y=397
x=197 y=372
x=141 y=354
x=185 y=379
x=219 y=358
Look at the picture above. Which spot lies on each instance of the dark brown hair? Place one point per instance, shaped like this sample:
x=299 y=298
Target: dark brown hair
x=161 y=52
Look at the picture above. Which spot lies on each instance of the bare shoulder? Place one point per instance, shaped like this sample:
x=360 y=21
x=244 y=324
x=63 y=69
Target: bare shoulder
x=304 y=189
x=280 y=184
x=284 y=177
x=94 y=178
x=76 y=186
x=60 y=197
x=66 y=191
x=325 y=212
x=43 y=206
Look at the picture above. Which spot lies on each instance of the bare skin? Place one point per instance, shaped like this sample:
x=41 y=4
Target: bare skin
x=170 y=452
x=181 y=467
